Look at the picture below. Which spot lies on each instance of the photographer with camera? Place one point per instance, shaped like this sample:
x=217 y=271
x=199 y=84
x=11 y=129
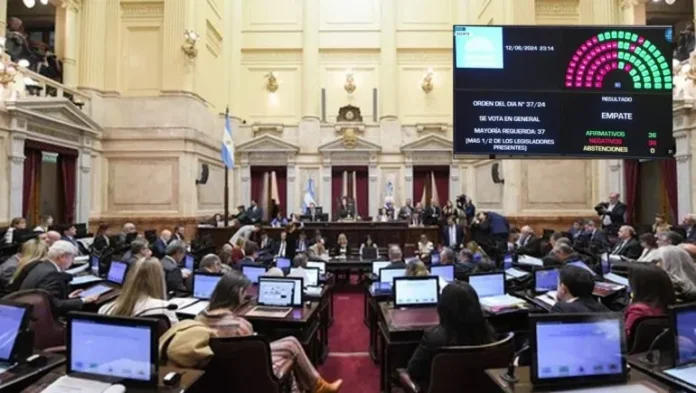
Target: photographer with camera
x=467 y=208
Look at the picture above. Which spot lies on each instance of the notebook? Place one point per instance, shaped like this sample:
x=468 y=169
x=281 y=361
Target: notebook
x=14 y=319
x=275 y=298
x=683 y=319
x=102 y=350
x=545 y=280
x=490 y=288
x=377 y=265
x=319 y=265
x=416 y=291
x=253 y=272
x=446 y=272
x=568 y=349
x=98 y=290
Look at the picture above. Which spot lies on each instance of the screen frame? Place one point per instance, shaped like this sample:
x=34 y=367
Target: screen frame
x=534 y=278
x=534 y=319
x=282 y=279
x=125 y=273
x=416 y=305
x=253 y=266
x=672 y=312
x=21 y=331
x=526 y=155
x=193 y=282
x=119 y=321
x=505 y=284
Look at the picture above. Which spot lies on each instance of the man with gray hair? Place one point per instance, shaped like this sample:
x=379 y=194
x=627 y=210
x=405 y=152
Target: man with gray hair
x=210 y=264
x=174 y=276
x=49 y=275
x=396 y=258
x=559 y=255
x=669 y=238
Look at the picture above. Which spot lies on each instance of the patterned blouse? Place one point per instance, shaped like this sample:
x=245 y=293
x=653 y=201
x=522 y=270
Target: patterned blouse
x=226 y=323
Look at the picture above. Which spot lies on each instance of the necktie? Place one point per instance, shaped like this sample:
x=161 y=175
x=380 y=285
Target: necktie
x=281 y=252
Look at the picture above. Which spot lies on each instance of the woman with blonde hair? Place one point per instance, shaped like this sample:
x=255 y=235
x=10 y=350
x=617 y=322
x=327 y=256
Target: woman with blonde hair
x=143 y=293
x=342 y=248
x=33 y=250
x=680 y=269
x=416 y=268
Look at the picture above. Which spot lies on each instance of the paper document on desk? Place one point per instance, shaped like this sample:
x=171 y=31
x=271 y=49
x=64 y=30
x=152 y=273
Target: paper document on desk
x=615 y=278
x=66 y=384
x=193 y=309
x=527 y=260
x=77 y=270
x=84 y=280
x=81 y=259
x=313 y=291
x=515 y=273
x=493 y=302
x=548 y=298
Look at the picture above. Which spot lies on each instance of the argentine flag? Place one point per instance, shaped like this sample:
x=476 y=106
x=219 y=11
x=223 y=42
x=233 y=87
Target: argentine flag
x=227 y=143
x=309 y=195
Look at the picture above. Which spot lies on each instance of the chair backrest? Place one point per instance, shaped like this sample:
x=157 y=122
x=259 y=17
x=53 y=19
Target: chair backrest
x=163 y=323
x=48 y=332
x=240 y=365
x=454 y=367
x=644 y=332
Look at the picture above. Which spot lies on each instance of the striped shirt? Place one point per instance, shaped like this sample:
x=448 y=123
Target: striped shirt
x=225 y=323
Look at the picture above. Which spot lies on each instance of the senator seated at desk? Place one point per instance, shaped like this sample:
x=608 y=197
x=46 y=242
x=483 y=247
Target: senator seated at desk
x=173 y=273
x=574 y=294
x=220 y=316
x=652 y=293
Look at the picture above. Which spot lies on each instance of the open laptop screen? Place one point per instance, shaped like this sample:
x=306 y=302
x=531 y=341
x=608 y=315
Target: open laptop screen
x=582 y=264
x=204 y=284
x=545 y=280
x=297 y=294
x=434 y=258
x=112 y=348
x=94 y=265
x=117 y=272
x=486 y=285
x=446 y=272
x=507 y=261
x=378 y=265
x=188 y=263
x=276 y=292
x=11 y=321
x=319 y=265
x=283 y=263
x=416 y=291
x=312 y=275
x=253 y=272
x=571 y=347
x=685 y=334
x=386 y=276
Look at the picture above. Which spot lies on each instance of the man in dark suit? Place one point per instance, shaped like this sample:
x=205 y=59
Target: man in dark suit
x=559 y=255
x=49 y=275
x=311 y=213
x=178 y=233
x=255 y=213
x=159 y=247
x=593 y=235
x=611 y=213
x=689 y=226
x=68 y=234
x=242 y=216
x=528 y=243
x=406 y=211
x=266 y=244
x=174 y=276
x=395 y=258
x=283 y=248
x=251 y=254
x=452 y=235
x=432 y=214
x=302 y=243
x=574 y=293
x=627 y=246
x=461 y=268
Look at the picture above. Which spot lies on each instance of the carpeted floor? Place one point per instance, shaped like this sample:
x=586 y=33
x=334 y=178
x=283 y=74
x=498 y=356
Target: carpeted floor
x=348 y=344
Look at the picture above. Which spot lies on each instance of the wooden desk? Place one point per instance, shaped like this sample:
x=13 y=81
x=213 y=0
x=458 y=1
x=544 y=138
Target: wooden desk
x=524 y=385
x=23 y=375
x=188 y=380
x=372 y=299
x=665 y=361
x=398 y=341
x=383 y=233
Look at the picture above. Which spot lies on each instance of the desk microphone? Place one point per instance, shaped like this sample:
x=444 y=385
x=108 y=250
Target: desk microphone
x=170 y=307
x=649 y=357
x=509 y=375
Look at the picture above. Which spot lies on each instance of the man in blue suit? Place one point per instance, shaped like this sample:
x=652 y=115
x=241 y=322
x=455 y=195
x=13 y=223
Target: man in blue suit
x=497 y=227
x=159 y=248
x=452 y=235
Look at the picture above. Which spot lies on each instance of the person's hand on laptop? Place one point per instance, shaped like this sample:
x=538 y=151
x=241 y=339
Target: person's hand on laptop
x=75 y=293
x=90 y=299
x=185 y=273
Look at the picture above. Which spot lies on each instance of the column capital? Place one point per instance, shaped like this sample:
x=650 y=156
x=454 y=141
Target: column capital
x=73 y=5
x=624 y=4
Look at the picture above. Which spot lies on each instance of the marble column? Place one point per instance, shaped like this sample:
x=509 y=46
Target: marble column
x=683 y=129
x=388 y=62
x=605 y=13
x=455 y=186
x=633 y=12
x=71 y=46
x=310 y=60
x=615 y=178
x=245 y=186
x=84 y=185
x=3 y=17
x=92 y=48
x=513 y=187
x=112 y=35
x=373 y=186
x=16 y=174
x=233 y=53
x=520 y=12
x=291 y=202
x=408 y=183
x=326 y=194
x=177 y=69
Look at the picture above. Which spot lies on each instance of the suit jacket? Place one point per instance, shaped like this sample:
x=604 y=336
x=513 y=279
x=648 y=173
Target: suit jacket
x=100 y=242
x=255 y=214
x=172 y=274
x=580 y=305
x=630 y=250
x=531 y=247
x=289 y=249
x=446 y=236
x=432 y=215
x=405 y=212
x=616 y=214
x=497 y=224
x=70 y=240
x=247 y=261
x=599 y=237
x=269 y=246
x=45 y=275
x=159 y=248
x=337 y=250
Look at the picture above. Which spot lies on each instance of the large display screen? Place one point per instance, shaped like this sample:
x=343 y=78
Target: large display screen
x=570 y=91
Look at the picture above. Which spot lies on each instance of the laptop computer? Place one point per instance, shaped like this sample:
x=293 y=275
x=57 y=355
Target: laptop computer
x=386 y=275
x=582 y=264
x=14 y=320
x=369 y=253
x=116 y=276
x=545 y=280
x=416 y=291
x=202 y=286
x=572 y=349
x=283 y=263
x=253 y=272
x=435 y=258
x=275 y=298
x=102 y=350
x=189 y=263
x=605 y=262
x=507 y=261
x=445 y=272
x=683 y=318
x=88 y=278
x=319 y=265
x=378 y=265
x=490 y=288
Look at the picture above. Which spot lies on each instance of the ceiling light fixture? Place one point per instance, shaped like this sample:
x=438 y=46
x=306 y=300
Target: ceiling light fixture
x=29 y=3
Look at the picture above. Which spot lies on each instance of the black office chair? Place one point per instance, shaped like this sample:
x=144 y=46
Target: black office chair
x=644 y=332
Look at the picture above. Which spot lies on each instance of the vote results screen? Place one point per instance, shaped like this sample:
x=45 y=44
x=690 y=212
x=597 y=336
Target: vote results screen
x=573 y=91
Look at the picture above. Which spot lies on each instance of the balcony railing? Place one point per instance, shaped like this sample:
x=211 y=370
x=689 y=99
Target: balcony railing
x=29 y=84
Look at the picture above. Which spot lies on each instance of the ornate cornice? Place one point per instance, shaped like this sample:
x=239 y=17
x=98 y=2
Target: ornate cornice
x=74 y=5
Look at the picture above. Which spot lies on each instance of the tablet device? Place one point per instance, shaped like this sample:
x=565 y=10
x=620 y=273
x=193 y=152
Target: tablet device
x=416 y=291
x=312 y=275
x=117 y=272
x=570 y=349
x=434 y=258
x=98 y=290
x=386 y=275
x=204 y=284
x=683 y=319
x=488 y=284
x=283 y=263
x=545 y=280
x=507 y=261
x=446 y=272
x=14 y=319
x=189 y=263
x=94 y=265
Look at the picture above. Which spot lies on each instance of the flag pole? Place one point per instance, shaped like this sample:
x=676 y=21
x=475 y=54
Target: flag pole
x=227 y=181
